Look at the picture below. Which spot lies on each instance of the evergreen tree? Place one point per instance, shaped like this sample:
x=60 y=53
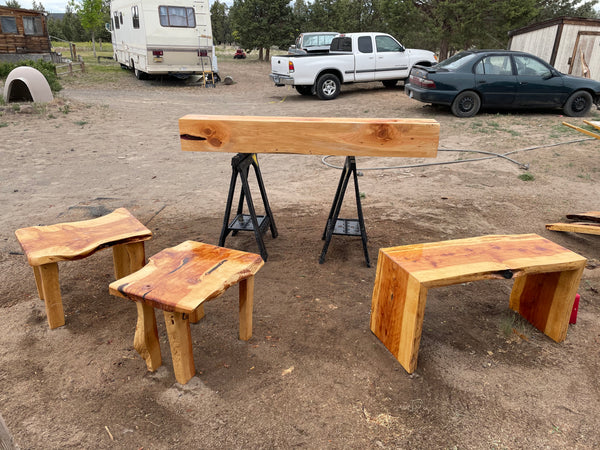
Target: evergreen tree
x=12 y=4
x=220 y=23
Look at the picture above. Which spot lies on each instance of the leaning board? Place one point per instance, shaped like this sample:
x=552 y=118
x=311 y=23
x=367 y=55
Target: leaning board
x=418 y=138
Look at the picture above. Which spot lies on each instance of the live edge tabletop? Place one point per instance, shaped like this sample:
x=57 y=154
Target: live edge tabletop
x=414 y=138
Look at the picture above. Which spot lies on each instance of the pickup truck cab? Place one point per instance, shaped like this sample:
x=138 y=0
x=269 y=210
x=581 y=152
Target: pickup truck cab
x=352 y=58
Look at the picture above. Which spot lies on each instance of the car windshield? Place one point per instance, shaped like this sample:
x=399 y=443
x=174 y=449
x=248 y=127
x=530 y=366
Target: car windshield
x=457 y=60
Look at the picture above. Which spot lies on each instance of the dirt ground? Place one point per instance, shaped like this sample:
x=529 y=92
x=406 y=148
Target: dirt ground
x=313 y=375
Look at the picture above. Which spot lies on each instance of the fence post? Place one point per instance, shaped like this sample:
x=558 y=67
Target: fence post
x=82 y=67
x=71 y=69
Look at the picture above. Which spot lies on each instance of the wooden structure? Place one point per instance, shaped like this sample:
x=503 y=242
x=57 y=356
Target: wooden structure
x=595 y=124
x=546 y=277
x=23 y=34
x=350 y=137
x=570 y=44
x=179 y=280
x=416 y=138
x=586 y=223
x=45 y=246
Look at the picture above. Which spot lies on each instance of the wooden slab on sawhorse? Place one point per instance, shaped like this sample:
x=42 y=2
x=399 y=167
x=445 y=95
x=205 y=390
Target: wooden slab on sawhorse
x=240 y=167
x=589 y=223
x=45 y=246
x=350 y=137
x=546 y=277
x=179 y=280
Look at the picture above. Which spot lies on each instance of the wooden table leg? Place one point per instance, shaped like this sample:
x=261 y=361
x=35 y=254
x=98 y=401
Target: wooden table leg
x=246 y=305
x=146 y=336
x=128 y=258
x=48 y=275
x=180 y=340
x=197 y=315
x=38 y=282
x=546 y=300
x=397 y=311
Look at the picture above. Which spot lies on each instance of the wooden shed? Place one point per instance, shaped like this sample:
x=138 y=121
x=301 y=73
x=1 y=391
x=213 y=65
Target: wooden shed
x=23 y=35
x=570 y=44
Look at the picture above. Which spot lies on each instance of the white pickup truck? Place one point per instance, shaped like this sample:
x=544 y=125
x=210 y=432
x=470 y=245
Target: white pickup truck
x=352 y=58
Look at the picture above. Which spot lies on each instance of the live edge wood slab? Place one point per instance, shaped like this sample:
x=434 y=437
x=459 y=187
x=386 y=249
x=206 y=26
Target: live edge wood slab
x=45 y=246
x=546 y=277
x=417 y=138
x=179 y=280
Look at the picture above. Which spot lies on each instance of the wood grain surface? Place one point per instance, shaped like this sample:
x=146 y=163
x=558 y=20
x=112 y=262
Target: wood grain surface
x=310 y=135
x=76 y=240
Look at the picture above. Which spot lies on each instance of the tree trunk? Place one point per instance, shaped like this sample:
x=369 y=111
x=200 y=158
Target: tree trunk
x=444 y=46
x=94 y=44
x=268 y=54
x=260 y=54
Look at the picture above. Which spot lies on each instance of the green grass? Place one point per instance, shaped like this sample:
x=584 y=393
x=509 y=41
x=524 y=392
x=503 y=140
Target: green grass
x=526 y=177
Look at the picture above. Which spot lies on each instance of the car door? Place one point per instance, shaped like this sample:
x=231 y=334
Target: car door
x=391 y=60
x=538 y=85
x=495 y=81
x=364 y=59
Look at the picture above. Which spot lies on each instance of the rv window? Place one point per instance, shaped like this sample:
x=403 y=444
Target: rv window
x=33 y=26
x=116 y=25
x=121 y=18
x=177 y=16
x=135 y=15
x=8 y=25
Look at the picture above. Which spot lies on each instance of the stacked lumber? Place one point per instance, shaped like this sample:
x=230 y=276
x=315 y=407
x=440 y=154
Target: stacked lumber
x=587 y=223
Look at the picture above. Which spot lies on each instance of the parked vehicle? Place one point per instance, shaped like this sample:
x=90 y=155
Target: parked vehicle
x=151 y=37
x=317 y=42
x=472 y=80
x=352 y=58
x=239 y=54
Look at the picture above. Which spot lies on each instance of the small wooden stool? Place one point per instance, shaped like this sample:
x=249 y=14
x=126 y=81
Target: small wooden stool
x=546 y=280
x=179 y=280
x=45 y=246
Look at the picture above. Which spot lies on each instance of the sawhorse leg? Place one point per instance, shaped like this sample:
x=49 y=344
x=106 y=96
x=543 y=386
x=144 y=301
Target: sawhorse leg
x=240 y=165
x=345 y=227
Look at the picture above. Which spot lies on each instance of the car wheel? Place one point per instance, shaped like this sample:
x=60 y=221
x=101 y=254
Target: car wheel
x=138 y=73
x=390 y=83
x=328 y=87
x=304 y=90
x=466 y=104
x=578 y=104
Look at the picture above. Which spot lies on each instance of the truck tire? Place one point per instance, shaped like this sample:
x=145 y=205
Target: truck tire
x=139 y=74
x=466 y=104
x=390 y=83
x=328 y=86
x=304 y=90
x=578 y=104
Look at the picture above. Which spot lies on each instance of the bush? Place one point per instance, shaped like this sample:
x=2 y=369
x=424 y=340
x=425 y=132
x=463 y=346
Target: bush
x=46 y=68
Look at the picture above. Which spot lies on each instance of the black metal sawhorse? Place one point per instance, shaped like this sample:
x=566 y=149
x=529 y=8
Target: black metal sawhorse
x=345 y=227
x=240 y=165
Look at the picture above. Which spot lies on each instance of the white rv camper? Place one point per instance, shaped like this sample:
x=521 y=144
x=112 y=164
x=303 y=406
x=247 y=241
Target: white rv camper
x=159 y=37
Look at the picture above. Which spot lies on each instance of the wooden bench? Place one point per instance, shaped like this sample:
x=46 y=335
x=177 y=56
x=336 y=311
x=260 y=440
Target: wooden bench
x=179 y=280
x=45 y=246
x=546 y=277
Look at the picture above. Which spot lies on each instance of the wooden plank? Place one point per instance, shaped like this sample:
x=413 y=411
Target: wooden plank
x=575 y=227
x=593 y=123
x=590 y=216
x=76 y=240
x=581 y=130
x=310 y=135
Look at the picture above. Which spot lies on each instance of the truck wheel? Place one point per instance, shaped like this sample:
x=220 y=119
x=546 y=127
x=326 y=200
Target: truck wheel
x=328 y=87
x=466 y=104
x=578 y=104
x=390 y=83
x=304 y=90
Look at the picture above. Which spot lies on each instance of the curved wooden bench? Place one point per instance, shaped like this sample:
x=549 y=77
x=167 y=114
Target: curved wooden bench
x=546 y=280
x=179 y=280
x=45 y=246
